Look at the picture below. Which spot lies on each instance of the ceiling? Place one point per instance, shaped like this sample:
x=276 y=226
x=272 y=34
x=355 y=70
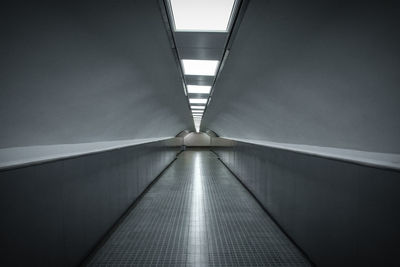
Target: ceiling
x=87 y=71
x=322 y=73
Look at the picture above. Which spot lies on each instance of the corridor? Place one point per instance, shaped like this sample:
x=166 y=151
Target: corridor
x=198 y=214
x=200 y=133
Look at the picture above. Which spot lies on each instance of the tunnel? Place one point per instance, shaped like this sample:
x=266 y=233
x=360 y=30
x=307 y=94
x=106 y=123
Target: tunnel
x=200 y=133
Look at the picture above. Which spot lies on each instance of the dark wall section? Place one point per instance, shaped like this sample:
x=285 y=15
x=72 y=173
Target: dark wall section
x=87 y=71
x=53 y=214
x=322 y=73
x=339 y=213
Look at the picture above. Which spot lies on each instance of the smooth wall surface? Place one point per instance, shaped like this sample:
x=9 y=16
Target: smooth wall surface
x=87 y=71
x=339 y=213
x=323 y=73
x=53 y=214
x=197 y=139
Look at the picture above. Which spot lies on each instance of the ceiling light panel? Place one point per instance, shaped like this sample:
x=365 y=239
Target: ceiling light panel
x=197 y=100
x=202 y=16
x=197 y=107
x=200 y=67
x=198 y=89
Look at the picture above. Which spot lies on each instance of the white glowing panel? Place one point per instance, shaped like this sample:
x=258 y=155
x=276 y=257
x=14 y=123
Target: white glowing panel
x=198 y=89
x=197 y=107
x=200 y=67
x=202 y=15
x=197 y=100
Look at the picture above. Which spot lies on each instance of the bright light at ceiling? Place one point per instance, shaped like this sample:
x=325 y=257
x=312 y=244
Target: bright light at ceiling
x=204 y=15
x=199 y=67
x=197 y=107
x=198 y=89
x=197 y=100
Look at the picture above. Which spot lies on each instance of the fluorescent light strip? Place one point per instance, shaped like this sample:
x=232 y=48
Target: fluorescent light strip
x=200 y=67
x=197 y=100
x=197 y=107
x=200 y=16
x=198 y=89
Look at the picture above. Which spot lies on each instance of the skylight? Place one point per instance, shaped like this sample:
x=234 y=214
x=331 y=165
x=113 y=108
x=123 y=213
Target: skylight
x=198 y=89
x=197 y=100
x=199 y=67
x=200 y=16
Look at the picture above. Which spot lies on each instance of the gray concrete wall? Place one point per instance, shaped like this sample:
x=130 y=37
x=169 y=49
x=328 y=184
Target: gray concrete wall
x=339 y=212
x=322 y=73
x=87 y=71
x=54 y=213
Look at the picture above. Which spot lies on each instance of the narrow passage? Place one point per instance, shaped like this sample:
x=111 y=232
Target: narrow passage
x=198 y=214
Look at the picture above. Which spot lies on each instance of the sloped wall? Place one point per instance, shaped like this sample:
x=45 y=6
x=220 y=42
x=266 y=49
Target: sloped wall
x=87 y=71
x=323 y=73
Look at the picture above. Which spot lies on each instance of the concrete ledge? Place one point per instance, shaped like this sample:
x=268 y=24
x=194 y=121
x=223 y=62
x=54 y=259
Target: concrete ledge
x=15 y=157
x=373 y=159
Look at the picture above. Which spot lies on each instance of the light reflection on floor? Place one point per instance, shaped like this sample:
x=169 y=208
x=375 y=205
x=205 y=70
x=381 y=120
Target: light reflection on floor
x=197 y=247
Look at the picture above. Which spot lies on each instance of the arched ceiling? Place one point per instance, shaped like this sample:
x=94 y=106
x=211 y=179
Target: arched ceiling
x=322 y=73
x=87 y=71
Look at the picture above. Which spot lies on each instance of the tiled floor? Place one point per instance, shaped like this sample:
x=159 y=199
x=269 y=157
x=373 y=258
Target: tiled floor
x=198 y=214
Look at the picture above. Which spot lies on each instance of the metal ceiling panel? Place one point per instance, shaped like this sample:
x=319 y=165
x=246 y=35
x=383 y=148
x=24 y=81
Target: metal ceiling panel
x=201 y=39
x=201 y=53
x=199 y=80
